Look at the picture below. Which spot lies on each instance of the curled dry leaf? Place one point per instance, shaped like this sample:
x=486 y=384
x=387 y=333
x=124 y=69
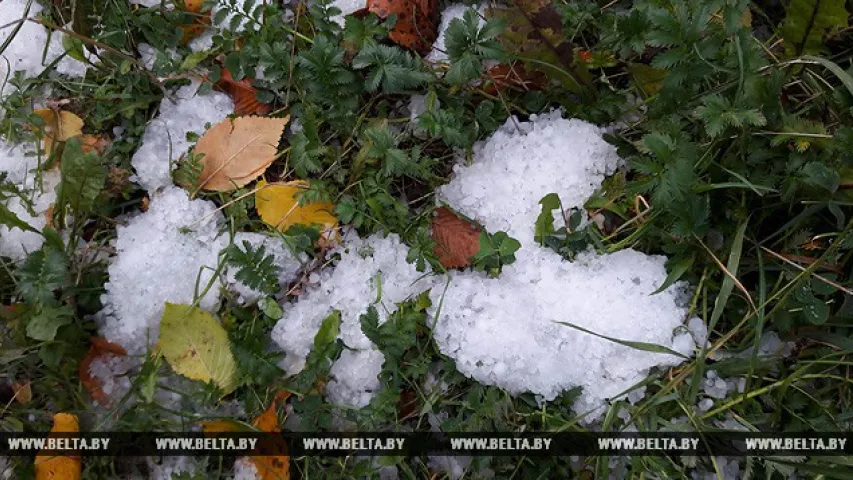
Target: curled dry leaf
x=456 y=240
x=244 y=95
x=60 y=126
x=238 y=151
x=417 y=21
x=99 y=348
x=278 y=206
x=53 y=467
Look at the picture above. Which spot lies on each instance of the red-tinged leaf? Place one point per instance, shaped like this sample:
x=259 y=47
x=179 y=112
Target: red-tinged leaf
x=243 y=94
x=417 y=21
x=456 y=240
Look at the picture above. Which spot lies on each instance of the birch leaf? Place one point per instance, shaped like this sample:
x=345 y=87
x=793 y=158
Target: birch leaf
x=197 y=347
x=238 y=151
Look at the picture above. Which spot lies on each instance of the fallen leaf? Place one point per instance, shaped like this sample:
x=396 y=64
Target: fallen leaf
x=197 y=347
x=238 y=151
x=200 y=21
x=272 y=467
x=278 y=206
x=514 y=76
x=94 y=143
x=100 y=347
x=534 y=30
x=60 y=126
x=244 y=95
x=456 y=240
x=417 y=21
x=23 y=392
x=52 y=467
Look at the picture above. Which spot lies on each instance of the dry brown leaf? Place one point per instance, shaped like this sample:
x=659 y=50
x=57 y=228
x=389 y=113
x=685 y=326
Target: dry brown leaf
x=23 y=392
x=278 y=206
x=99 y=348
x=53 y=467
x=243 y=94
x=417 y=21
x=456 y=240
x=272 y=467
x=60 y=126
x=238 y=151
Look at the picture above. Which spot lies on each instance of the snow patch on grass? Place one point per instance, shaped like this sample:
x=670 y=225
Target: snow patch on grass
x=27 y=51
x=14 y=161
x=288 y=264
x=524 y=161
x=503 y=331
x=371 y=271
x=159 y=255
x=165 y=137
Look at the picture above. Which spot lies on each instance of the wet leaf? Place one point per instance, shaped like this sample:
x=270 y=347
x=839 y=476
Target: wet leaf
x=238 y=151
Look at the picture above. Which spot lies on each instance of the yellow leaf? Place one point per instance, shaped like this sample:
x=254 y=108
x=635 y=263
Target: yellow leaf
x=278 y=206
x=197 y=347
x=59 y=127
x=23 y=392
x=238 y=151
x=52 y=467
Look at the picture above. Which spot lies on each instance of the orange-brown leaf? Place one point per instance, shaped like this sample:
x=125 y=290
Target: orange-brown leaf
x=52 y=467
x=272 y=467
x=417 y=22
x=100 y=347
x=238 y=151
x=200 y=22
x=244 y=95
x=456 y=240
x=94 y=143
x=23 y=392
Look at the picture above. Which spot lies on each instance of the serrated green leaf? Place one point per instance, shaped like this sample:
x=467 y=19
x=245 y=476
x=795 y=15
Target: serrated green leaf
x=8 y=218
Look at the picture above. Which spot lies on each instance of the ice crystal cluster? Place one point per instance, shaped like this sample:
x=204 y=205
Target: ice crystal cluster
x=524 y=161
x=370 y=271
